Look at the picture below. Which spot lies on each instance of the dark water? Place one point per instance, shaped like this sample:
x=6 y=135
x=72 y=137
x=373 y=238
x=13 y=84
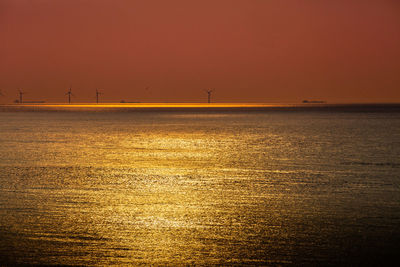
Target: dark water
x=261 y=187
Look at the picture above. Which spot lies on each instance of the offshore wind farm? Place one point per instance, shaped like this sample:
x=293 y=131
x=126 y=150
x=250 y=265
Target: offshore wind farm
x=205 y=103
x=70 y=96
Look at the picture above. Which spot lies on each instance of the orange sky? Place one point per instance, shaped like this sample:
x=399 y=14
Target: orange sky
x=248 y=50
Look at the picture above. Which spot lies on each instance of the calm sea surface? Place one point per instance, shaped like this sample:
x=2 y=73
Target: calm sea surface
x=266 y=187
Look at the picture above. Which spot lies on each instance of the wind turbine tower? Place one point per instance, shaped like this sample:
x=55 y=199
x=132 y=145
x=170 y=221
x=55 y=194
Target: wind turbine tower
x=20 y=96
x=97 y=95
x=209 y=95
x=69 y=93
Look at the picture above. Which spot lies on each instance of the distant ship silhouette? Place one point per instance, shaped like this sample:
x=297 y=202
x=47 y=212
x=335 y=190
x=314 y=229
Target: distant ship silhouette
x=314 y=101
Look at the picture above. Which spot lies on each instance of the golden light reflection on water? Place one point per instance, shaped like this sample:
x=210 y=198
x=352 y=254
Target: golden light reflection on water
x=179 y=189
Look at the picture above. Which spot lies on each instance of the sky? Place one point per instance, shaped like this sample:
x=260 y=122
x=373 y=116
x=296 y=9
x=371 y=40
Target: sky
x=172 y=51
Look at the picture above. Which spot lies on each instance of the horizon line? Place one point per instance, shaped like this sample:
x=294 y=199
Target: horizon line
x=187 y=104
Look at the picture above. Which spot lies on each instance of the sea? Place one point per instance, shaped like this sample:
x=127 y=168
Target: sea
x=272 y=185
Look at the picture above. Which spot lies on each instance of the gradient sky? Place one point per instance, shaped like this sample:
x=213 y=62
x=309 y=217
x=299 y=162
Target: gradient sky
x=248 y=50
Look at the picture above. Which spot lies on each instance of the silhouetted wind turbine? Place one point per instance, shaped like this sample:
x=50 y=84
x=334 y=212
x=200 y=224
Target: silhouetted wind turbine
x=69 y=93
x=97 y=96
x=209 y=95
x=20 y=96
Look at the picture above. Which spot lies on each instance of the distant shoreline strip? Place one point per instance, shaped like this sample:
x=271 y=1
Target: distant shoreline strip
x=202 y=107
